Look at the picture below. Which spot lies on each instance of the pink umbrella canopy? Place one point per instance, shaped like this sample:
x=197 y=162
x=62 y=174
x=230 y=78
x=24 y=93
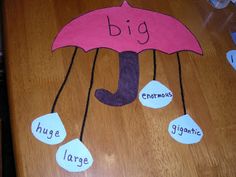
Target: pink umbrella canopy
x=127 y=30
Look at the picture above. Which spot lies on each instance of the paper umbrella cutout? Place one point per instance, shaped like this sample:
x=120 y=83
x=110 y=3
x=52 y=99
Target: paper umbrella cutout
x=128 y=31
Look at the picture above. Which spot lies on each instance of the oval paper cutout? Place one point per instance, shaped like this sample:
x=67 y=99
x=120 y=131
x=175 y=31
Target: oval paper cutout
x=74 y=156
x=155 y=95
x=231 y=57
x=233 y=35
x=185 y=130
x=49 y=129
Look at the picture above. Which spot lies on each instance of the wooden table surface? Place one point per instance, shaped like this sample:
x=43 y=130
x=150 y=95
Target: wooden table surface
x=132 y=140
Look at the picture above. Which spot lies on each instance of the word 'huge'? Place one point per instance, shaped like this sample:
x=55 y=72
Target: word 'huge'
x=47 y=132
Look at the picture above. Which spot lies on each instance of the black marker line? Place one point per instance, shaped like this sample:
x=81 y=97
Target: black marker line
x=154 y=65
x=181 y=84
x=88 y=97
x=64 y=82
x=232 y=59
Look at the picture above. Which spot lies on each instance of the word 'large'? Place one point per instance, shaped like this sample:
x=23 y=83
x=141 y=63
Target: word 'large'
x=73 y=158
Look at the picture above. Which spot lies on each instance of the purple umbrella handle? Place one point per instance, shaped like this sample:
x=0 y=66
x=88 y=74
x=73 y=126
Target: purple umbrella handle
x=128 y=82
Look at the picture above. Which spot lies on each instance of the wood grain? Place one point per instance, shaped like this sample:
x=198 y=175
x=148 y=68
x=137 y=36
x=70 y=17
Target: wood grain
x=128 y=141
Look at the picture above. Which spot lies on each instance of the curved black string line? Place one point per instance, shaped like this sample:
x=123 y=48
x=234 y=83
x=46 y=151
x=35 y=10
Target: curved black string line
x=88 y=97
x=64 y=82
x=181 y=83
x=154 y=65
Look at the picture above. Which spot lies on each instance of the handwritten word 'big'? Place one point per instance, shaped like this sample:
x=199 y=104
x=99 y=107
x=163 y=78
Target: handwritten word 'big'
x=115 y=30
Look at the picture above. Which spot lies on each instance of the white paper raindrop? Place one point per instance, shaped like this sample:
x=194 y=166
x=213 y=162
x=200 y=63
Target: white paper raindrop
x=155 y=95
x=185 y=130
x=74 y=156
x=49 y=129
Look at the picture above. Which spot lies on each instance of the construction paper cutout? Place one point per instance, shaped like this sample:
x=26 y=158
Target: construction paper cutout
x=231 y=57
x=125 y=29
x=128 y=82
x=233 y=35
x=155 y=95
x=184 y=130
x=74 y=156
x=49 y=129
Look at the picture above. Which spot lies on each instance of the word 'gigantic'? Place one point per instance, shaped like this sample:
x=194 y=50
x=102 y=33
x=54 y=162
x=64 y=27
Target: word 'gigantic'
x=115 y=30
x=181 y=130
x=72 y=158
x=154 y=95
